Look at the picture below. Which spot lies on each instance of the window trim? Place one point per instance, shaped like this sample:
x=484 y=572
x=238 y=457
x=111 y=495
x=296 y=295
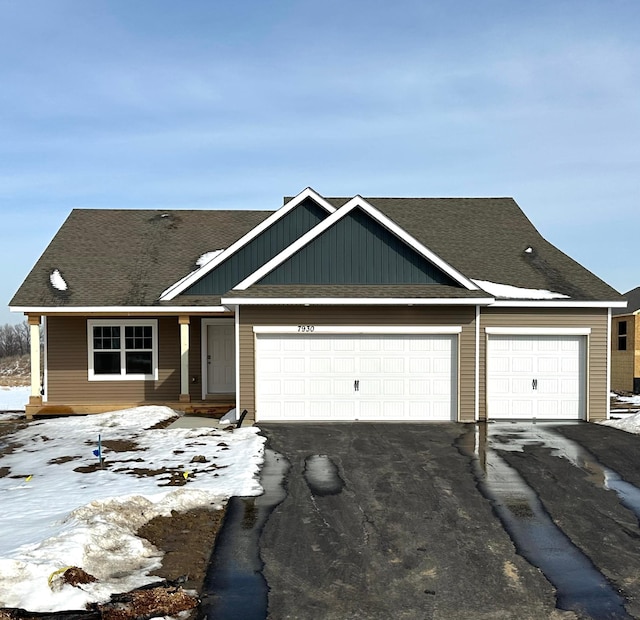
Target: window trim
x=122 y=323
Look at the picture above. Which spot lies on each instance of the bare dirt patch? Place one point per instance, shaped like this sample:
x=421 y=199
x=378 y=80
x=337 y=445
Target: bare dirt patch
x=187 y=539
x=122 y=445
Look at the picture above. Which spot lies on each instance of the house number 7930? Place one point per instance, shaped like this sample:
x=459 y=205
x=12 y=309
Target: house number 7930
x=307 y=329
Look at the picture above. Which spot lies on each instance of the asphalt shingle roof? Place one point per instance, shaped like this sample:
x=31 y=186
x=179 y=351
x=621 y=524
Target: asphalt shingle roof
x=400 y=291
x=633 y=302
x=118 y=257
x=129 y=257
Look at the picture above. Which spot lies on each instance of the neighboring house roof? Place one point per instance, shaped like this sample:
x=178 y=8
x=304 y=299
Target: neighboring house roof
x=633 y=302
x=123 y=258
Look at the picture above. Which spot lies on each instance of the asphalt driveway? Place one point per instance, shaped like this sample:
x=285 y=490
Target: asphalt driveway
x=400 y=521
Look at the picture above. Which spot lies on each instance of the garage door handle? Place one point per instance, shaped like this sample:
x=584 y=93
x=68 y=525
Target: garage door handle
x=534 y=384
x=356 y=385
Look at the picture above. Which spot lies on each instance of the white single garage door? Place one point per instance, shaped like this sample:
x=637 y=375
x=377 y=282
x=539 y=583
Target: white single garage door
x=355 y=377
x=536 y=377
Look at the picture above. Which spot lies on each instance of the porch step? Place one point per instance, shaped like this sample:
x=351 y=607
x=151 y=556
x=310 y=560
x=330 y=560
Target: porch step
x=209 y=411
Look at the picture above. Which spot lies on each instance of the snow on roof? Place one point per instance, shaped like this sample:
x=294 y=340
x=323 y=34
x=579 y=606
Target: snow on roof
x=208 y=256
x=57 y=281
x=516 y=292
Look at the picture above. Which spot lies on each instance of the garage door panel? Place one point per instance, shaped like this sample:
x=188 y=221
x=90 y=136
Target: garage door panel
x=371 y=365
x=344 y=365
x=293 y=366
x=399 y=377
x=392 y=365
x=548 y=364
x=548 y=387
x=419 y=387
x=293 y=345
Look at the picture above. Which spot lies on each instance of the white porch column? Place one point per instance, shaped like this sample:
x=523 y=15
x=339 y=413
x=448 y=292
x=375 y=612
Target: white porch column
x=184 y=359
x=34 y=333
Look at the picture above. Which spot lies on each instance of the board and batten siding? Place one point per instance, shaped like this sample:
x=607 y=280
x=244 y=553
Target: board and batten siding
x=595 y=319
x=260 y=249
x=360 y=316
x=67 y=361
x=357 y=250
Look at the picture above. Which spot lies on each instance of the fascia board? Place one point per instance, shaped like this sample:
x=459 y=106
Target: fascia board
x=537 y=331
x=190 y=279
x=354 y=301
x=557 y=304
x=357 y=329
x=121 y=310
x=356 y=201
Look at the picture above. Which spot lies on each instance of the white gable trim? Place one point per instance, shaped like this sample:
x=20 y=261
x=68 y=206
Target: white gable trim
x=181 y=285
x=356 y=201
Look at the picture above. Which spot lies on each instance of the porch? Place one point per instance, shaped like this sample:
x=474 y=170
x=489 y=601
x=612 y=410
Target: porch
x=214 y=408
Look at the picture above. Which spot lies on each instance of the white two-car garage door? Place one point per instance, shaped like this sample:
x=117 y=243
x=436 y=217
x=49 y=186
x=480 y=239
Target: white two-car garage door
x=322 y=376
x=536 y=376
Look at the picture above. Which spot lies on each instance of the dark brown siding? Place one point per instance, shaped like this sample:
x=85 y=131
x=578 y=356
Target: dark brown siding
x=360 y=316
x=596 y=319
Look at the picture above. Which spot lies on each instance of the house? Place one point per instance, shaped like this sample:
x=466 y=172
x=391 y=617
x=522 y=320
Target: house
x=326 y=309
x=625 y=345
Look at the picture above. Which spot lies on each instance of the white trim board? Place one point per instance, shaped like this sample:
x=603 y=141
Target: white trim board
x=390 y=225
x=355 y=329
x=175 y=289
x=532 y=303
x=537 y=331
x=121 y=310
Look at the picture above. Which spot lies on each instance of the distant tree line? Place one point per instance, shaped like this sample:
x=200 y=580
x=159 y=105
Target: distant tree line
x=14 y=339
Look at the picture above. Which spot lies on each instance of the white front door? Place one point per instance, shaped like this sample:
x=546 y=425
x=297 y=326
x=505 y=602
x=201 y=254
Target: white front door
x=221 y=359
x=355 y=377
x=536 y=377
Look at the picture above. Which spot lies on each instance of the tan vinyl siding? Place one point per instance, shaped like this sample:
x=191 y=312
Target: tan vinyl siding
x=67 y=361
x=596 y=319
x=360 y=316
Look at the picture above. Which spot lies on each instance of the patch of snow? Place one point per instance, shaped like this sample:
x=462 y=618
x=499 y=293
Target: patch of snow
x=516 y=292
x=631 y=400
x=14 y=398
x=208 y=256
x=57 y=281
x=630 y=424
x=59 y=516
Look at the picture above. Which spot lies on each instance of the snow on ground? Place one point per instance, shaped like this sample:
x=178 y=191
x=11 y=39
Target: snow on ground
x=55 y=516
x=631 y=423
x=13 y=398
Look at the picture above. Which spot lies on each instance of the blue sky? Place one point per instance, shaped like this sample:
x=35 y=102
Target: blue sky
x=212 y=104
